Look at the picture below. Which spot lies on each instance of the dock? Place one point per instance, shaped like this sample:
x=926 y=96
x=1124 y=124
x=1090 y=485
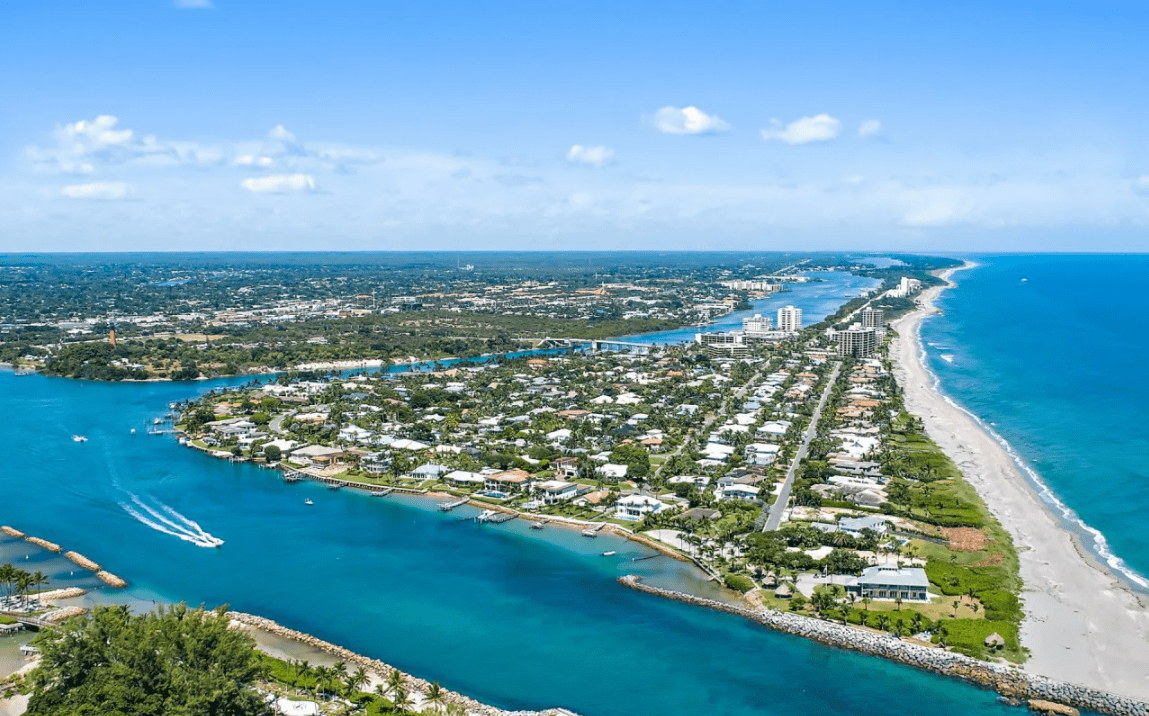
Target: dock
x=383 y=493
x=593 y=531
x=448 y=506
x=495 y=518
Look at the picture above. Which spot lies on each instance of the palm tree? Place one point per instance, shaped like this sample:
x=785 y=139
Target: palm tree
x=23 y=584
x=7 y=576
x=356 y=680
x=883 y=622
x=956 y=604
x=401 y=701
x=864 y=617
x=395 y=682
x=39 y=580
x=435 y=695
x=917 y=622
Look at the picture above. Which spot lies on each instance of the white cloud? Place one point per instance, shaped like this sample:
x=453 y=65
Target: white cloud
x=1141 y=184
x=819 y=128
x=870 y=128
x=97 y=190
x=597 y=156
x=250 y=160
x=193 y=4
x=280 y=133
x=688 y=120
x=279 y=183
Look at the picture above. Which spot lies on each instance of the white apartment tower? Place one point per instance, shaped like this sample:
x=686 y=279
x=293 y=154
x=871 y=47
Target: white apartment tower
x=756 y=325
x=790 y=319
x=872 y=317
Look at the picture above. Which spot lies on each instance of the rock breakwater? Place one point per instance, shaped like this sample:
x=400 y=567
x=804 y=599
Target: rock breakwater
x=471 y=706
x=12 y=532
x=50 y=546
x=82 y=561
x=1008 y=681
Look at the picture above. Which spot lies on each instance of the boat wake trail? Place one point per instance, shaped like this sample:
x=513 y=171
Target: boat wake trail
x=163 y=518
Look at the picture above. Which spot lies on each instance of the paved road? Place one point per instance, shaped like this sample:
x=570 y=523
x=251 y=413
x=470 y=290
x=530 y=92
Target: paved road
x=779 y=506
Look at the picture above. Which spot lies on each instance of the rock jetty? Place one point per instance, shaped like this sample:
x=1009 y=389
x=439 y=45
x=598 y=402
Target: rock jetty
x=471 y=706
x=82 y=561
x=111 y=580
x=50 y=546
x=1004 y=679
x=12 y=532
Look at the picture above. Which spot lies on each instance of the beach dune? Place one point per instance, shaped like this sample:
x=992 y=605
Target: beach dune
x=1082 y=623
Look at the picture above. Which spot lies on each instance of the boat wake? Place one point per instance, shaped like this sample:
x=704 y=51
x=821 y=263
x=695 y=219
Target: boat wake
x=164 y=519
x=1100 y=544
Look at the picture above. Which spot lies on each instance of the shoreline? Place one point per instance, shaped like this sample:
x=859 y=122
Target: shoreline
x=1013 y=683
x=1083 y=623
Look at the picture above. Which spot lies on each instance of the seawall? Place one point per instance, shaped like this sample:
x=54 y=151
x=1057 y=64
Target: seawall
x=1005 y=680
x=470 y=705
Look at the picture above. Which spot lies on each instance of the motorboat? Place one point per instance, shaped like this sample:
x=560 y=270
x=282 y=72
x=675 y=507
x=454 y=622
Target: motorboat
x=609 y=553
x=308 y=501
x=79 y=439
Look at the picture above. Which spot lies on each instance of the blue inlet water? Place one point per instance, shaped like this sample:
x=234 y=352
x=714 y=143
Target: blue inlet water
x=514 y=618
x=1051 y=350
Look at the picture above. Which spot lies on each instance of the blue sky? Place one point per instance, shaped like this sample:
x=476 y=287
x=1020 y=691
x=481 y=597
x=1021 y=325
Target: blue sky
x=300 y=125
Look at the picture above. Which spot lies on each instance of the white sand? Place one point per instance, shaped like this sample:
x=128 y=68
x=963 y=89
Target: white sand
x=1082 y=624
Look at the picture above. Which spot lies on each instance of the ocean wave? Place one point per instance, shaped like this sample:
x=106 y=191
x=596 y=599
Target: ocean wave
x=1100 y=543
x=173 y=524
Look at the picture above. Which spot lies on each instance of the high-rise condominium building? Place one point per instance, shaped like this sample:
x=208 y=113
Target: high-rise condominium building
x=790 y=319
x=872 y=318
x=858 y=341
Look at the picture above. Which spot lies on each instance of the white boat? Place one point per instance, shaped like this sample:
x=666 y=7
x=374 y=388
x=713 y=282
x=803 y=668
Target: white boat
x=79 y=439
x=308 y=501
x=609 y=553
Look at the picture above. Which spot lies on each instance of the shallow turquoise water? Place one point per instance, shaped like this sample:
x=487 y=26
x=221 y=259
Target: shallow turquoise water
x=1056 y=362
x=508 y=616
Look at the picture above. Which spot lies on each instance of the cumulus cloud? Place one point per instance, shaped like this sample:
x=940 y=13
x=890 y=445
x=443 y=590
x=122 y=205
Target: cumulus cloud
x=97 y=190
x=819 y=128
x=250 y=160
x=279 y=183
x=870 y=128
x=688 y=120
x=280 y=133
x=597 y=156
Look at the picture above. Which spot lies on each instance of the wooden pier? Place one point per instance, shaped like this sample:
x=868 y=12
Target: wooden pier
x=448 y=506
x=383 y=493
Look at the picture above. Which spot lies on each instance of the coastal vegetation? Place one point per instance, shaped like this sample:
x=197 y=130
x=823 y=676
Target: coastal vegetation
x=175 y=660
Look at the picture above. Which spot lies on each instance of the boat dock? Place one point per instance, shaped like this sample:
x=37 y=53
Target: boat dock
x=383 y=493
x=593 y=531
x=496 y=518
x=448 y=506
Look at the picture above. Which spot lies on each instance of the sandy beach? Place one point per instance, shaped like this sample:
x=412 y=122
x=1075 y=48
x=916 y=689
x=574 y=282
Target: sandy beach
x=1082 y=624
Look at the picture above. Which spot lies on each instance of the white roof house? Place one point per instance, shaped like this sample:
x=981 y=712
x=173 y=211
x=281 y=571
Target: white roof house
x=736 y=491
x=612 y=471
x=635 y=507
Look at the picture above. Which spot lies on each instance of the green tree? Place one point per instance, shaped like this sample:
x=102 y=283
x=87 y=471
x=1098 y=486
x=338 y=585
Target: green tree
x=177 y=661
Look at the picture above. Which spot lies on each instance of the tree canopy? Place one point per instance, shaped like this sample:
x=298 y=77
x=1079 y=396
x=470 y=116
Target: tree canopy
x=175 y=661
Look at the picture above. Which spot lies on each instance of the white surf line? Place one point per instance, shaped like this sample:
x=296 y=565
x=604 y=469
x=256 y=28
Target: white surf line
x=1100 y=544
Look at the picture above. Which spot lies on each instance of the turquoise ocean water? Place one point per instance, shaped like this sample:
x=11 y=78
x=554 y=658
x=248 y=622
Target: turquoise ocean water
x=1050 y=352
x=513 y=618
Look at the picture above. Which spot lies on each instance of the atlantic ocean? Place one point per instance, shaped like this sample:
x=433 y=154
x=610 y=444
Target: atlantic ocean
x=1050 y=351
